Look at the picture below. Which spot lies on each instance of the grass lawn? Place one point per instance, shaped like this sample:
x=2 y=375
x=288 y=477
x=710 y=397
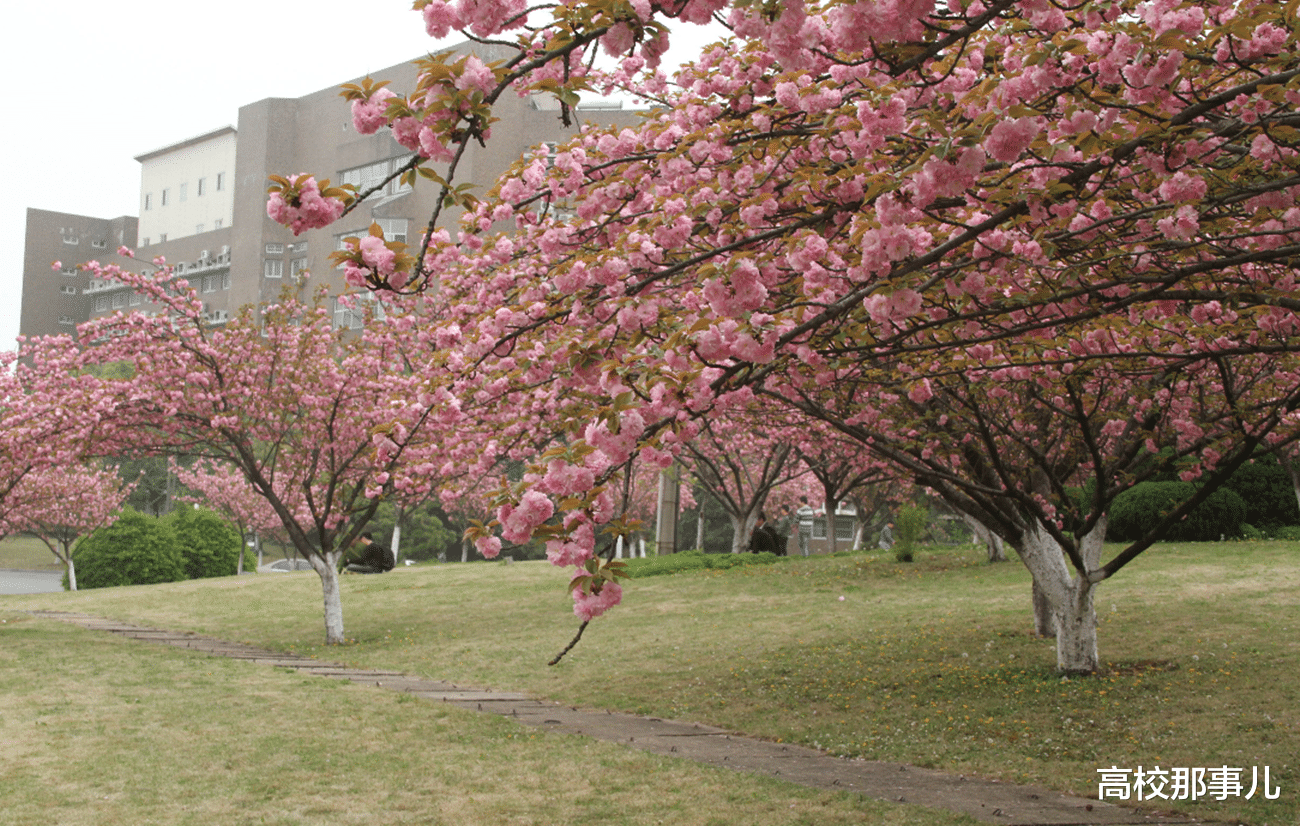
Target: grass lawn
x=931 y=663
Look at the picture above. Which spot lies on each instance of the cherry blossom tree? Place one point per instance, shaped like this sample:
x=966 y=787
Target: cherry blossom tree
x=226 y=490
x=322 y=423
x=859 y=207
x=59 y=505
x=739 y=460
x=842 y=468
x=50 y=415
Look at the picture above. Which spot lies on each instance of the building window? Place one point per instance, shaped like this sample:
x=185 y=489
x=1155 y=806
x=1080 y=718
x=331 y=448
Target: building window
x=68 y=270
x=163 y=198
x=68 y=289
x=225 y=281
x=136 y=300
x=66 y=320
x=148 y=200
x=185 y=188
x=296 y=266
x=119 y=300
x=371 y=175
x=274 y=249
x=273 y=268
x=347 y=318
x=394 y=228
x=71 y=239
x=99 y=244
x=221 y=181
x=202 y=185
x=101 y=304
x=843 y=528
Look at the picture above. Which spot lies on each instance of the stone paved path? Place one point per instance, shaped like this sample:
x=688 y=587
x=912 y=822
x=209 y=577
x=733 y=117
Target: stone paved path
x=986 y=800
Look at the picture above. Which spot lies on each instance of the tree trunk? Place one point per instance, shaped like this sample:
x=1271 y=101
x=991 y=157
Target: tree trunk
x=329 y=581
x=1293 y=472
x=1044 y=624
x=1068 y=594
x=740 y=531
x=72 y=573
x=832 y=541
x=699 y=531
x=997 y=553
x=993 y=543
x=396 y=541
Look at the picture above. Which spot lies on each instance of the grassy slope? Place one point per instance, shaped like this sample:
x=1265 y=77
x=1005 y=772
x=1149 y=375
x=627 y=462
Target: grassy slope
x=931 y=663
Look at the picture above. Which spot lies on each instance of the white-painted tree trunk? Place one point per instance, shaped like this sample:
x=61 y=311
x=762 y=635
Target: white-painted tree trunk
x=72 y=573
x=327 y=568
x=1068 y=595
x=740 y=531
x=699 y=530
x=618 y=547
x=991 y=541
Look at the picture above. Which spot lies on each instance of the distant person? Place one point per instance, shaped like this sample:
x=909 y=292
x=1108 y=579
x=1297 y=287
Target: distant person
x=764 y=539
x=785 y=528
x=805 y=514
x=887 y=536
x=373 y=558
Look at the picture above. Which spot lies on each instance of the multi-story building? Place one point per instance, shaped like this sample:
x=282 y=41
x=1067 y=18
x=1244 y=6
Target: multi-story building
x=203 y=203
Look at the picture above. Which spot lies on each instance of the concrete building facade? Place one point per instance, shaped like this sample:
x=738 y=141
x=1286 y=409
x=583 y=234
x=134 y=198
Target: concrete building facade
x=203 y=202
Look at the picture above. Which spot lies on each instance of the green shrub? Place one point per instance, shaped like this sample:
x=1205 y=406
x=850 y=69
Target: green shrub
x=1136 y=509
x=1252 y=532
x=693 y=560
x=911 y=524
x=134 y=550
x=1265 y=487
x=1290 y=533
x=208 y=545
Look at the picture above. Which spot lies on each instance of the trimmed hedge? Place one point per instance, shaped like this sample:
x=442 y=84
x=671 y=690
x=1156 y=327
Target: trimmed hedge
x=207 y=543
x=1136 y=509
x=693 y=560
x=134 y=550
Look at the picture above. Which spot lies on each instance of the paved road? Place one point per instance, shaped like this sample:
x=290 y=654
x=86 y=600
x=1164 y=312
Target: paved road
x=30 y=582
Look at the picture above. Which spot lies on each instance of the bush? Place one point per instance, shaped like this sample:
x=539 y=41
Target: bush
x=1266 y=488
x=208 y=545
x=693 y=560
x=134 y=550
x=1290 y=533
x=1136 y=509
x=911 y=524
x=1251 y=532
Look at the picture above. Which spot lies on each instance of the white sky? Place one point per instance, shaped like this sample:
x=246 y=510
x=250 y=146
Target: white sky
x=93 y=84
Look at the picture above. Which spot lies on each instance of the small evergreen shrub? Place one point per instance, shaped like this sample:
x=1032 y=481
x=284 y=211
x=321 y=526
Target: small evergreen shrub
x=208 y=545
x=1290 y=533
x=134 y=550
x=911 y=524
x=1266 y=488
x=1136 y=509
x=1251 y=532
